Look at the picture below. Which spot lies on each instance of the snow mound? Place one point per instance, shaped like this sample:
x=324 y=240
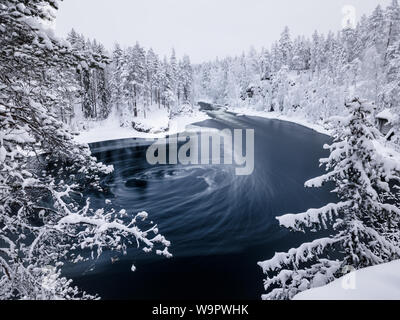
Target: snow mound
x=184 y=109
x=380 y=282
x=156 y=121
x=388 y=115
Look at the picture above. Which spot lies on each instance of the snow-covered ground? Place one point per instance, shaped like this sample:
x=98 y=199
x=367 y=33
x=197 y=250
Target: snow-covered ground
x=375 y=283
x=276 y=115
x=157 y=122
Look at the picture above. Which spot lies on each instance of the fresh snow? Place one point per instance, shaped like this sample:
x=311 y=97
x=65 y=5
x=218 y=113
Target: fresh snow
x=387 y=115
x=380 y=282
x=110 y=129
x=387 y=150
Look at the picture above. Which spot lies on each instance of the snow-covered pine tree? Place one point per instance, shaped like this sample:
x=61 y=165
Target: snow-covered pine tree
x=180 y=82
x=392 y=26
x=300 y=56
x=266 y=65
x=116 y=83
x=316 y=52
x=205 y=78
x=134 y=76
x=152 y=66
x=285 y=48
x=365 y=223
x=100 y=80
x=168 y=83
x=95 y=92
x=159 y=79
x=376 y=28
x=390 y=92
x=280 y=86
x=187 y=78
x=43 y=220
x=349 y=38
x=173 y=72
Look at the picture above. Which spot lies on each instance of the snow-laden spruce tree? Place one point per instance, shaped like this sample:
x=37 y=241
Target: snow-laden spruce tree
x=364 y=223
x=44 y=221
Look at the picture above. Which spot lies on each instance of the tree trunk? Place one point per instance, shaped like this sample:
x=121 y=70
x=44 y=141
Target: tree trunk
x=135 y=111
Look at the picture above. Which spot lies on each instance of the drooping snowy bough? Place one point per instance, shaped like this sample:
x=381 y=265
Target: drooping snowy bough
x=365 y=223
x=44 y=222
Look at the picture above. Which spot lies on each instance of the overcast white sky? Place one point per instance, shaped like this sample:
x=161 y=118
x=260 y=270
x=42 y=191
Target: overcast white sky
x=204 y=29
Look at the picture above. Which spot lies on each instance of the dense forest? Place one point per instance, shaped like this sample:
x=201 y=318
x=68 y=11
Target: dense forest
x=130 y=81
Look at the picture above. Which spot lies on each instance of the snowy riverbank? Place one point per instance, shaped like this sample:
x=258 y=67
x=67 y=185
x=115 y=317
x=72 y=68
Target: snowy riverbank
x=110 y=129
x=276 y=115
x=385 y=148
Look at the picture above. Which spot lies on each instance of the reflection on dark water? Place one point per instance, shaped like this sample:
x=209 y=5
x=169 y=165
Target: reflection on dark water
x=220 y=224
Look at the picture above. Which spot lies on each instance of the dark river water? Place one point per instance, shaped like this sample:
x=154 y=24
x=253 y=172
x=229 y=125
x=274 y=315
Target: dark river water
x=220 y=224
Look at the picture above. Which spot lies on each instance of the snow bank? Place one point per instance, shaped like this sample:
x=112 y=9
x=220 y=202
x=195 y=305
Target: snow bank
x=158 y=123
x=387 y=115
x=383 y=147
x=387 y=150
x=375 y=283
x=276 y=115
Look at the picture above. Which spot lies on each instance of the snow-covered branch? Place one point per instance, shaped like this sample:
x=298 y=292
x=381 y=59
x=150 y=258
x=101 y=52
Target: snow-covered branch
x=43 y=223
x=313 y=218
